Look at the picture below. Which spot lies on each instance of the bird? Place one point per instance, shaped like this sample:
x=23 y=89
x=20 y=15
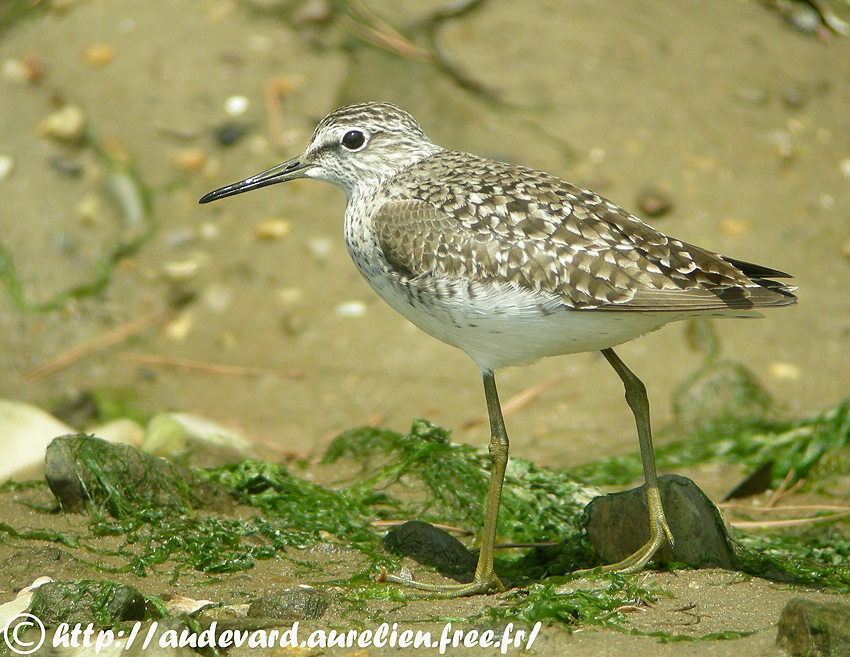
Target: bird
x=510 y=265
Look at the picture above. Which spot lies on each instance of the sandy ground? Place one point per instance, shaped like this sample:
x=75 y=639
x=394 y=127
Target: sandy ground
x=742 y=120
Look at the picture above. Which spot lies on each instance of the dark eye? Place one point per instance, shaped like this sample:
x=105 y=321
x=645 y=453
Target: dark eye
x=353 y=139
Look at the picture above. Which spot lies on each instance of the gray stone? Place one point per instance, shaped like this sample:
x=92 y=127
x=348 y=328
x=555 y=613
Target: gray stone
x=302 y=603
x=814 y=629
x=618 y=524
x=86 y=601
x=429 y=545
x=81 y=468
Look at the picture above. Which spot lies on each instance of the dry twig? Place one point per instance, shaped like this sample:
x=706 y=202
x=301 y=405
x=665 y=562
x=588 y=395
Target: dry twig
x=100 y=343
x=205 y=367
x=517 y=402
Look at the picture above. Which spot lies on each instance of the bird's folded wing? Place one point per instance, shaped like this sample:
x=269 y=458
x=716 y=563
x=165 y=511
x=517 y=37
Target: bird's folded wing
x=589 y=253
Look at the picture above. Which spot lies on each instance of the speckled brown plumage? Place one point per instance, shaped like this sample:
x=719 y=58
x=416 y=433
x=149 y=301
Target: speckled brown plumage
x=458 y=215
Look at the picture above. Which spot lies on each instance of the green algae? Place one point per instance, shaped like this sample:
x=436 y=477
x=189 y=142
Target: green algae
x=400 y=476
x=134 y=201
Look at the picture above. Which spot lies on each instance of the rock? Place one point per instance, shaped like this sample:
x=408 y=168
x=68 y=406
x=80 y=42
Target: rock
x=122 y=430
x=91 y=211
x=429 y=545
x=184 y=437
x=180 y=271
x=7 y=165
x=67 y=124
x=229 y=133
x=814 y=629
x=270 y=230
x=236 y=105
x=302 y=603
x=80 y=469
x=86 y=601
x=618 y=524
x=654 y=202
x=720 y=390
x=25 y=431
x=734 y=227
x=320 y=248
x=784 y=371
x=98 y=55
x=350 y=309
x=22 y=71
x=190 y=160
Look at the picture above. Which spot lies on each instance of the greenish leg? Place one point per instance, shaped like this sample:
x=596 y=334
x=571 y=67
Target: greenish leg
x=485 y=580
x=659 y=531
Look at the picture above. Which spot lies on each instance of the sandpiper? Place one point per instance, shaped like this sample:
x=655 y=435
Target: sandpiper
x=510 y=264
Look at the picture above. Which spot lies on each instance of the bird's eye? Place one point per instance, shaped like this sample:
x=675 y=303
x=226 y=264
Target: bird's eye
x=353 y=139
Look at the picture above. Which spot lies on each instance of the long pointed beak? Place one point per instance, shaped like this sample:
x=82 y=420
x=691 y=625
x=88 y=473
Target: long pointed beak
x=289 y=170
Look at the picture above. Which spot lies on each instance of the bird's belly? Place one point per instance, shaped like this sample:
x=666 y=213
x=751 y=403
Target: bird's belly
x=499 y=324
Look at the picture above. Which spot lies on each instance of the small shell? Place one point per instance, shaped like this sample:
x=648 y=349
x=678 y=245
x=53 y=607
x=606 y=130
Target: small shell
x=271 y=230
x=98 y=55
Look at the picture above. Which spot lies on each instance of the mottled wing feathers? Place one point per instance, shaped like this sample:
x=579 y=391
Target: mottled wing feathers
x=456 y=215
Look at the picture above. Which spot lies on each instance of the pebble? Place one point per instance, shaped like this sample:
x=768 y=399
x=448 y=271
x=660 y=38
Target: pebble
x=178 y=329
x=734 y=227
x=229 y=133
x=784 y=143
x=272 y=230
x=208 y=231
x=844 y=167
x=654 y=202
x=784 y=371
x=126 y=192
x=349 y=309
x=320 y=248
x=7 y=165
x=217 y=297
x=98 y=55
x=22 y=71
x=316 y=12
x=596 y=155
x=845 y=249
x=290 y=295
x=183 y=270
x=752 y=95
x=117 y=150
x=180 y=237
x=794 y=96
x=190 y=160
x=67 y=124
x=90 y=210
x=236 y=105
x=67 y=166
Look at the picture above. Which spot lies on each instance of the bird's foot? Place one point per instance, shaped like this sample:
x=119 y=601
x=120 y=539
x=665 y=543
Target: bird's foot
x=486 y=583
x=660 y=536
